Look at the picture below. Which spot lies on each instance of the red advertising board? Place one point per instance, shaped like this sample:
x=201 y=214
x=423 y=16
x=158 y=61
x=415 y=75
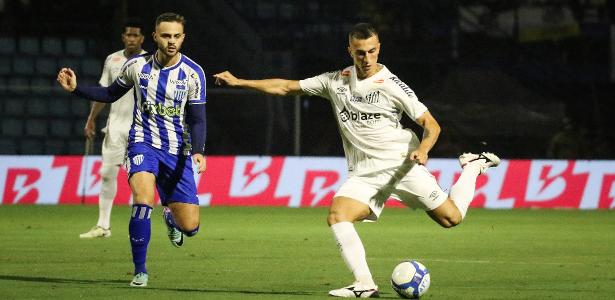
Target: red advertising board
x=311 y=181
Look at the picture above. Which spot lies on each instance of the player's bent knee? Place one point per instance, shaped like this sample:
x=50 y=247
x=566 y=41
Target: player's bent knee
x=192 y=232
x=337 y=216
x=109 y=173
x=187 y=226
x=449 y=221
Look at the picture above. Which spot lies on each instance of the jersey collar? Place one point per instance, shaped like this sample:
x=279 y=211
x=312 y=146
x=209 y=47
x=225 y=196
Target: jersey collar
x=159 y=65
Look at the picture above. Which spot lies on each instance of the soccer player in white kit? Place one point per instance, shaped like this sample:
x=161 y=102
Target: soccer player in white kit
x=116 y=130
x=383 y=158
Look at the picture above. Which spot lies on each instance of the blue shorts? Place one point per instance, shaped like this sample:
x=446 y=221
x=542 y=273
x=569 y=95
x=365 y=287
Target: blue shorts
x=174 y=175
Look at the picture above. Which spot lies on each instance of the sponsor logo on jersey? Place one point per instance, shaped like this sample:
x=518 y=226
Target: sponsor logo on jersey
x=137 y=159
x=370 y=118
x=146 y=76
x=356 y=98
x=162 y=110
x=370 y=98
x=182 y=82
x=197 y=83
x=403 y=86
x=341 y=89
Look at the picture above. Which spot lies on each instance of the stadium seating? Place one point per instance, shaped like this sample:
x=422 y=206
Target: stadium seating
x=7 y=45
x=33 y=105
x=32 y=147
x=12 y=127
x=55 y=146
x=37 y=107
x=75 y=47
x=29 y=45
x=52 y=46
x=14 y=107
x=36 y=128
x=5 y=66
x=61 y=128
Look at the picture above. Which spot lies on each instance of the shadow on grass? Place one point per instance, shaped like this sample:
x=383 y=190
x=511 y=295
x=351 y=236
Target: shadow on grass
x=245 y=292
x=124 y=284
x=58 y=280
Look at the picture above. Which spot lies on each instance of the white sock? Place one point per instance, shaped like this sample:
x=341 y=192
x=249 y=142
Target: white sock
x=352 y=251
x=107 y=194
x=462 y=192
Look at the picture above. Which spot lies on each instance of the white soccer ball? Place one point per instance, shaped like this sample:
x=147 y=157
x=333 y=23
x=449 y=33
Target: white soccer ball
x=410 y=279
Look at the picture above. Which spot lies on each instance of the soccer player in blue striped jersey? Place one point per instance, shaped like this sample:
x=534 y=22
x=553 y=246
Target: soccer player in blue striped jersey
x=167 y=135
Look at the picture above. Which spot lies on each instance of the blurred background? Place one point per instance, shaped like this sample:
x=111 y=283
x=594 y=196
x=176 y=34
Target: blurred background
x=530 y=79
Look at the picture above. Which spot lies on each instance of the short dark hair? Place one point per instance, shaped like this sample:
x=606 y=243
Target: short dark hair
x=170 y=17
x=133 y=22
x=362 y=31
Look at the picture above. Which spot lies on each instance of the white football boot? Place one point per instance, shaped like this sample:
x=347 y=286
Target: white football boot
x=485 y=160
x=96 y=232
x=356 y=290
x=140 y=280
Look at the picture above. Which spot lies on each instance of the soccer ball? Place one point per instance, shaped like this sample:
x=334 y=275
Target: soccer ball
x=410 y=279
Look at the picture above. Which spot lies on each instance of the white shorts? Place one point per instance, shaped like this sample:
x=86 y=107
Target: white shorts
x=114 y=147
x=416 y=189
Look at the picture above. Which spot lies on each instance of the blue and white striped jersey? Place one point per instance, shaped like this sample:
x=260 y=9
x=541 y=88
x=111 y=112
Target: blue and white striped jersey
x=161 y=96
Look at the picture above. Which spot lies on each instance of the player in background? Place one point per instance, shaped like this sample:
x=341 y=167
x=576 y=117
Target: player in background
x=369 y=101
x=167 y=135
x=116 y=132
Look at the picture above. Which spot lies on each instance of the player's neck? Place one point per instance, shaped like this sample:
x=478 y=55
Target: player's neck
x=361 y=76
x=165 y=60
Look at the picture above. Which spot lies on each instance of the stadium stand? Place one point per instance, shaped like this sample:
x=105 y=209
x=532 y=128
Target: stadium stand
x=424 y=44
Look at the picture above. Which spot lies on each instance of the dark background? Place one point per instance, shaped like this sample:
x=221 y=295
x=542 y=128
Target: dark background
x=530 y=79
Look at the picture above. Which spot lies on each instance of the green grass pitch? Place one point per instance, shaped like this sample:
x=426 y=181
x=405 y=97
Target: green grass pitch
x=286 y=253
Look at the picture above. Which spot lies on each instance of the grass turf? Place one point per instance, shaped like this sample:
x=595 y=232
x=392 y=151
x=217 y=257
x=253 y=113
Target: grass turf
x=285 y=253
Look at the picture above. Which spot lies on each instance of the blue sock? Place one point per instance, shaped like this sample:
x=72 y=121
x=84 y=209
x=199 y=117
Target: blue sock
x=140 y=230
x=168 y=218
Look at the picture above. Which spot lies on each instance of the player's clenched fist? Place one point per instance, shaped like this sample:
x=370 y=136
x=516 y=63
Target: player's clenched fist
x=226 y=78
x=67 y=79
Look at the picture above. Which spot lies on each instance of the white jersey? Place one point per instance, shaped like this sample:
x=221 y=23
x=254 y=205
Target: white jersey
x=120 y=114
x=368 y=112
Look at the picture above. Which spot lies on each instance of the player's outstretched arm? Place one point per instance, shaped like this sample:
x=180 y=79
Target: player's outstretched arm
x=68 y=80
x=275 y=86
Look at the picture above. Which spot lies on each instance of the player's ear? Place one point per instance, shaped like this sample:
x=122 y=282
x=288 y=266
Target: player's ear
x=154 y=36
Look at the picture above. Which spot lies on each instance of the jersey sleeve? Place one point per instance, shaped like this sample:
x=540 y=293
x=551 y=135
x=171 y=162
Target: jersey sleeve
x=125 y=78
x=405 y=98
x=317 y=85
x=196 y=87
x=105 y=77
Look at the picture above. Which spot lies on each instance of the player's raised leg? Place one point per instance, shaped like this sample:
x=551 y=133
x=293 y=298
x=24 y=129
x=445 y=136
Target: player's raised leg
x=454 y=209
x=181 y=219
x=343 y=213
x=177 y=191
x=142 y=186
